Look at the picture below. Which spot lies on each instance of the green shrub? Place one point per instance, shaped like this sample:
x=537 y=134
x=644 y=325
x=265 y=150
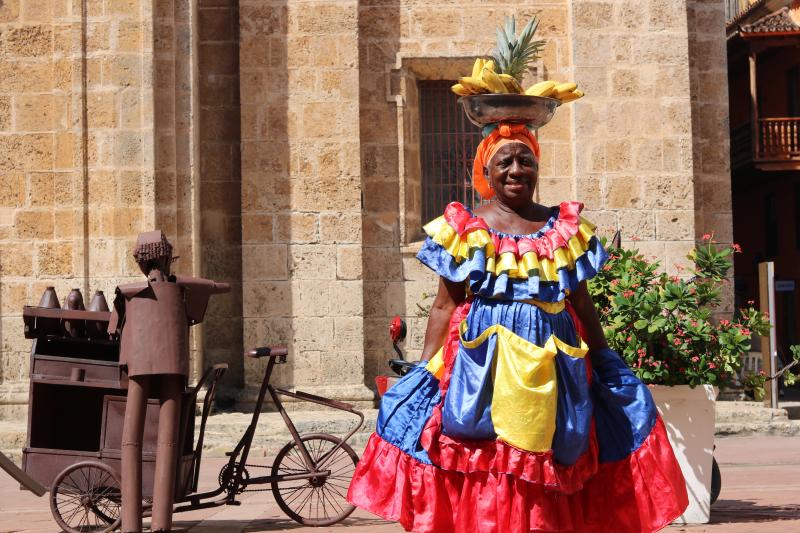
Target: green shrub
x=662 y=326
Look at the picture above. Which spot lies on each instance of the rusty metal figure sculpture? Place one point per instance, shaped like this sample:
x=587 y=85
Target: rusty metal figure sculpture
x=153 y=319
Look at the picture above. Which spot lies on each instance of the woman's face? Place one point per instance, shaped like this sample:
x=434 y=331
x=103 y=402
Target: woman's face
x=513 y=172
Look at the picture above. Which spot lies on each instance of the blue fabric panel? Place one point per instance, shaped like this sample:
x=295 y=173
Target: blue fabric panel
x=405 y=408
x=489 y=285
x=467 y=409
x=435 y=257
x=624 y=409
x=574 y=415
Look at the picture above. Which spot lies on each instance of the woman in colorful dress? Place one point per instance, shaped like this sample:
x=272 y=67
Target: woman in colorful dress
x=522 y=419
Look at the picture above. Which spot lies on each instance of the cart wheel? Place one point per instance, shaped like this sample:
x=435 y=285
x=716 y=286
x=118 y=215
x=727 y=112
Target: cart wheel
x=318 y=501
x=86 y=497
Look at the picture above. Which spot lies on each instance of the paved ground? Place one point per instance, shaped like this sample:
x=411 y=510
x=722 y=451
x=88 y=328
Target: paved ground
x=760 y=483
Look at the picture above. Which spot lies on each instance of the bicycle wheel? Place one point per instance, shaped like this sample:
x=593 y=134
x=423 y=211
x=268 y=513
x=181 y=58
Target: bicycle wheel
x=319 y=501
x=86 y=497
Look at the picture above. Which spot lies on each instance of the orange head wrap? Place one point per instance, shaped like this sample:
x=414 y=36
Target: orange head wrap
x=503 y=134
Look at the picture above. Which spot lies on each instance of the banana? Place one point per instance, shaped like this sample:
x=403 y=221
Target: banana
x=474 y=85
x=494 y=82
x=565 y=88
x=489 y=64
x=543 y=88
x=477 y=67
x=569 y=97
x=511 y=83
x=460 y=90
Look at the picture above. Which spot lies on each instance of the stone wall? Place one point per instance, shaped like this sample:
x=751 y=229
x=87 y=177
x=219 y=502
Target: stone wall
x=277 y=143
x=97 y=143
x=220 y=182
x=75 y=163
x=633 y=131
x=301 y=193
x=708 y=63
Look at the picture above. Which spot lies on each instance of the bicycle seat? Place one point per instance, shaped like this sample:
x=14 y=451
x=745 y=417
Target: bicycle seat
x=279 y=352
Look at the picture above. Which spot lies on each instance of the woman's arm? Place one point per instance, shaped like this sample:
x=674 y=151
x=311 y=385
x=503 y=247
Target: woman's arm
x=449 y=295
x=584 y=307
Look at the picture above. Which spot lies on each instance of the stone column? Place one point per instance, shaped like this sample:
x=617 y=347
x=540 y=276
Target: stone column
x=633 y=131
x=301 y=194
x=76 y=157
x=96 y=145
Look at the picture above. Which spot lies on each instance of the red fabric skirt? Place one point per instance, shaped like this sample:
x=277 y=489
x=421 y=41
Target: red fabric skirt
x=641 y=493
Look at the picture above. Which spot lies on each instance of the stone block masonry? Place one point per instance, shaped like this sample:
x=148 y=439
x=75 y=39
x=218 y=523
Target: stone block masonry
x=277 y=142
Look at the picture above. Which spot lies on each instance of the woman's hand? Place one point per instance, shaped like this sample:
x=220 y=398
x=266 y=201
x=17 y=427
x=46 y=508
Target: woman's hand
x=449 y=295
x=584 y=307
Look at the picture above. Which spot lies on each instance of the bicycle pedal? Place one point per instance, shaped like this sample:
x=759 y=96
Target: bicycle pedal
x=234 y=502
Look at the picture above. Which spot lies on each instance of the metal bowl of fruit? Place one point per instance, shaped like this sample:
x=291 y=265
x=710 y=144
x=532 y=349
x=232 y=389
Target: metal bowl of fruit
x=484 y=109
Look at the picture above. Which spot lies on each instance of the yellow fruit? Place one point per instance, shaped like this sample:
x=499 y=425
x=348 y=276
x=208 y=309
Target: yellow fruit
x=460 y=90
x=543 y=88
x=565 y=88
x=511 y=83
x=477 y=67
x=569 y=97
x=494 y=82
x=489 y=64
x=474 y=85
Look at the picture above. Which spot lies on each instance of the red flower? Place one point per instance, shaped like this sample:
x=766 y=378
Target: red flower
x=695 y=359
x=712 y=365
x=628 y=293
x=737 y=248
x=744 y=331
x=706 y=236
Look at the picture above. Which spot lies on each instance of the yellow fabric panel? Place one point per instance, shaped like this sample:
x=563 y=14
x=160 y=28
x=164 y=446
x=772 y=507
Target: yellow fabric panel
x=554 y=342
x=586 y=229
x=576 y=248
x=507 y=262
x=528 y=262
x=481 y=239
x=548 y=307
x=525 y=395
x=433 y=227
x=436 y=365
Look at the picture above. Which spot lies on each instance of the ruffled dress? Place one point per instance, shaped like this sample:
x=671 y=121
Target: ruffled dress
x=515 y=425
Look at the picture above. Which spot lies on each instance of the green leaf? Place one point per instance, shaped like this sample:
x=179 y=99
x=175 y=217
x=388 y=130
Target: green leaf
x=640 y=324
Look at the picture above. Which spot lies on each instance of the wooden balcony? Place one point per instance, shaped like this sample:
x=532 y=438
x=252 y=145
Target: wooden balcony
x=777 y=147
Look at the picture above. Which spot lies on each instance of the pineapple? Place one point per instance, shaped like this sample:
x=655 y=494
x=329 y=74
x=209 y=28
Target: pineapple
x=513 y=54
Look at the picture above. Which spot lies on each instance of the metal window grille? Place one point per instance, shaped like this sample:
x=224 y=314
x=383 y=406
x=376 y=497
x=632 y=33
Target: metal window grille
x=447 y=147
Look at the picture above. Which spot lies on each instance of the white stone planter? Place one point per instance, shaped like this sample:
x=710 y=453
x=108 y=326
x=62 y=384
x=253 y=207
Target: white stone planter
x=689 y=417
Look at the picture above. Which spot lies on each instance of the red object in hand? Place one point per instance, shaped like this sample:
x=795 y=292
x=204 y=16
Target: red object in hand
x=397 y=329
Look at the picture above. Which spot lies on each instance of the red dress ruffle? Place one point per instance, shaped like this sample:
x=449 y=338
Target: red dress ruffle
x=641 y=493
x=499 y=457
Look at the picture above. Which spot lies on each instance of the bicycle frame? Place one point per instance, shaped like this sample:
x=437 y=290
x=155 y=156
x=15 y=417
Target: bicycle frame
x=242 y=449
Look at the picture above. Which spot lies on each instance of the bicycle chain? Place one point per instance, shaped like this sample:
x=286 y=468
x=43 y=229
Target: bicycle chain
x=256 y=490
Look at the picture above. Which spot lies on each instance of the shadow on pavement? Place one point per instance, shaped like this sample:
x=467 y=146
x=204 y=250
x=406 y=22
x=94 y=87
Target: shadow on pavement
x=742 y=511
x=272 y=524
